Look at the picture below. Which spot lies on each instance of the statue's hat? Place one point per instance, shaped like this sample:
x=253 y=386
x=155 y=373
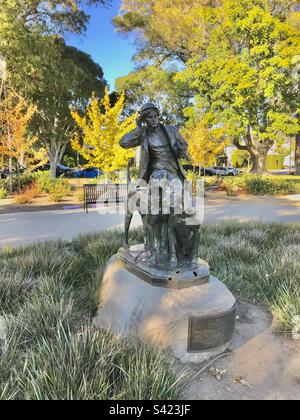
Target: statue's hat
x=147 y=107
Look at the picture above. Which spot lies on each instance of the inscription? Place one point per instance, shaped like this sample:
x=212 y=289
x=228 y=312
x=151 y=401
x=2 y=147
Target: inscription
x=208 y=333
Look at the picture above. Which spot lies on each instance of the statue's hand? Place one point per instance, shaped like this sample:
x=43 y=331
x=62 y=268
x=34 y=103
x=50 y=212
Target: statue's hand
x=140 y=123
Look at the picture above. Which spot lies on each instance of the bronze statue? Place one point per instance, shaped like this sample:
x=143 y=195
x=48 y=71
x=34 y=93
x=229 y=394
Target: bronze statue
x=162 y=147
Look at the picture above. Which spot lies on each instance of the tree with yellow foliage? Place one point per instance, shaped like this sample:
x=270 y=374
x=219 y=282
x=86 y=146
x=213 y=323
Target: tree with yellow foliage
x=203 y=146
x=15 y=116
x=101 y=129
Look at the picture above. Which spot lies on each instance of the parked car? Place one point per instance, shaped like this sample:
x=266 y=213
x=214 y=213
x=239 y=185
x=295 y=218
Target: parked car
x=223 y=171
x=4 y=172
x=61 y=170
x=200 y=171
x=90 y=173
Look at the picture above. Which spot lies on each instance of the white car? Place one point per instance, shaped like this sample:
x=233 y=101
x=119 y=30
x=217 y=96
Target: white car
x=224 y=171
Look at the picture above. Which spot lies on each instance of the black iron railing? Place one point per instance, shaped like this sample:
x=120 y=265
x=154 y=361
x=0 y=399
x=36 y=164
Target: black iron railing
x=104 y=194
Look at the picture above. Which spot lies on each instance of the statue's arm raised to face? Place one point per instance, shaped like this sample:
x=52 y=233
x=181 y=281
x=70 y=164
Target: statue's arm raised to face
x=132 y=139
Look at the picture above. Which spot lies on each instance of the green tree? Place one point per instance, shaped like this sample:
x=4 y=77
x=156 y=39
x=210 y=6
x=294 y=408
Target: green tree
x=241 y=159
x=258 y=39
x=157 y=85
x=43 y=69
x=23 y=23
x=69 y=78
x=166 y=30
x=243 y=80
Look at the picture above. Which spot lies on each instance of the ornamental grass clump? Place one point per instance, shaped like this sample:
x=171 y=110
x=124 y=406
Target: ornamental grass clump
x=259 y=185
x=48 y=295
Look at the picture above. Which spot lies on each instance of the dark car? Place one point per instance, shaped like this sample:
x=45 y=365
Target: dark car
x=90 y=173
x=61 y=170
x=4 y=172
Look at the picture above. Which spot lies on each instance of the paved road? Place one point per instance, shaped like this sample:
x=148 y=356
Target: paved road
x=23 y=228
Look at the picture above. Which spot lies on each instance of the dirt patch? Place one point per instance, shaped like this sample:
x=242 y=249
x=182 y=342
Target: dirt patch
x=263 y=366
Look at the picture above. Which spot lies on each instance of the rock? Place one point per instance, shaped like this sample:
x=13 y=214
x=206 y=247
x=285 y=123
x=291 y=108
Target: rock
x=195 y=323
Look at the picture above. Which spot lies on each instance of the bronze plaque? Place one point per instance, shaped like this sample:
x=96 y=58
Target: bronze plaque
x=208 y=333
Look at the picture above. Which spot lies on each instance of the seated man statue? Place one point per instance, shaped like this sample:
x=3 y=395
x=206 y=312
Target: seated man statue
x=162 y=147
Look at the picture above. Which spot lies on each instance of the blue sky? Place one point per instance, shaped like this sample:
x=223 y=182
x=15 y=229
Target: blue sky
x=108 y=48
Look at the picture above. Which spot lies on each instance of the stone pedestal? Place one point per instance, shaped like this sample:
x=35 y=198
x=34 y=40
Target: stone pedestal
x=195 y=323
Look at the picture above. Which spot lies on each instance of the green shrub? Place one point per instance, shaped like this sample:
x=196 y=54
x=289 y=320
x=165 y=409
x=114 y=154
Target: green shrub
x=231 y=189
x=212 y=181
x=259 y=185
x=209 y=181
x=44 y=181
x=80 y=195
x=19 y=183
x=241 y=158
x=24 y=181
x=4 y=183
x=58 y=188
x=3 y=193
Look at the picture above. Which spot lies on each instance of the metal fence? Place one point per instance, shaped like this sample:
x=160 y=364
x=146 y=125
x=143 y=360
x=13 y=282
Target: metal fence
x=104 y=194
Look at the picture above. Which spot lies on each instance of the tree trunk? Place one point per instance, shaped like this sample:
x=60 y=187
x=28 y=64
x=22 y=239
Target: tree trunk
x=21 y=160
x=56 y=153
x=53 y=159
x=10 y=176
x=297 y=155
x=18 y=176
x=257 y=149
x=259 y=163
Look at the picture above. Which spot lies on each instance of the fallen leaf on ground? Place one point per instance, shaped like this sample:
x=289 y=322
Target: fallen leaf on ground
x=241 y=380
x=218 y=373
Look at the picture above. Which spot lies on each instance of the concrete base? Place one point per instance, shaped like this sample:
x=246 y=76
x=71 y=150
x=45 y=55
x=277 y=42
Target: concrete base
x=158 y=316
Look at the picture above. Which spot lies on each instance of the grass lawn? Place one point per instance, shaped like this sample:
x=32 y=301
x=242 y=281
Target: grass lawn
x=49 y=294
